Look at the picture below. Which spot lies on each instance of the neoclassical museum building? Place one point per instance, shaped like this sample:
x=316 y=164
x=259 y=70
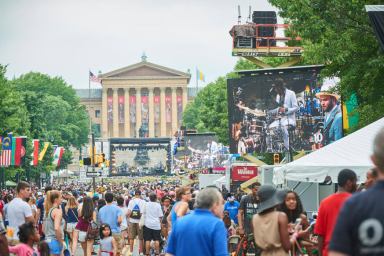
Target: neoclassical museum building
x=142 y=95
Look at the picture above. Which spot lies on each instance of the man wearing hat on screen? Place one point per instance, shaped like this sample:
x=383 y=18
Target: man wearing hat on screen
x=333 y=123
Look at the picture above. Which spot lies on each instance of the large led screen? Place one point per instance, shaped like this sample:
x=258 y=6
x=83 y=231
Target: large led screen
x=282 y=110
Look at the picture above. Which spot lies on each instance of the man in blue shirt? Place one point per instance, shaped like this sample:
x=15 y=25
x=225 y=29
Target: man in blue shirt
x=232 y=206
x=113 y=216
x=201 y=232
x=359 y=228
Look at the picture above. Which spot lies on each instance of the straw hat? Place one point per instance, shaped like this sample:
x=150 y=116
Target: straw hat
x=327 y=93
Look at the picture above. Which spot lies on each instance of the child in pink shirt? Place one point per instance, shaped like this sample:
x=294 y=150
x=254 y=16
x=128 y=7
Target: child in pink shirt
x=28 y=236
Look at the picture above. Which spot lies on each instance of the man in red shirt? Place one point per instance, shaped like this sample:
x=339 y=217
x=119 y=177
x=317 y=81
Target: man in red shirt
x=330 y=207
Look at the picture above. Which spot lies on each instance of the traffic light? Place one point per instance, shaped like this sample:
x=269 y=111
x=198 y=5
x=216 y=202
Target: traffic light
x=276 y=159
x=92 y=155
x=87 y=161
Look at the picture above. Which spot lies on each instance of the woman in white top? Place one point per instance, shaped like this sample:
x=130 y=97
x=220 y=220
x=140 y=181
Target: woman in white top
x=152 y=223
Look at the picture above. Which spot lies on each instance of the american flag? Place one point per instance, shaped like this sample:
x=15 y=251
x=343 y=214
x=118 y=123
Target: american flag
x=94 y=78
x=5 y=158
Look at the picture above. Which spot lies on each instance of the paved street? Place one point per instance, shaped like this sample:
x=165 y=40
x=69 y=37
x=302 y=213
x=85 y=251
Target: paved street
x=79 y=251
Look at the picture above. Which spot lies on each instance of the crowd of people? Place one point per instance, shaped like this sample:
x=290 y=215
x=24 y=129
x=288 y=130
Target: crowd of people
x=165 y=218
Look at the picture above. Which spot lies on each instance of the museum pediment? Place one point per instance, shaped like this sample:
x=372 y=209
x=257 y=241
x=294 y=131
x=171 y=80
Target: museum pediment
x=144 y=69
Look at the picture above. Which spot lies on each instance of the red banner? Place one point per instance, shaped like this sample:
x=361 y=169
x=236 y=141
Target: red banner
x=144 y=109
x=168 y=109
x=132 y=109
x=243 y=173
x=109 y=109
x=156 y=100
x=35 y=157
x=121 y=109
x=179 y=109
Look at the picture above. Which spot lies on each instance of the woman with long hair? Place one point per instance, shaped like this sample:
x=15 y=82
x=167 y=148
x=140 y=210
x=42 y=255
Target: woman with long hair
x=86 y=215
x=166 y=207
x=54 y=222
x=71 y=217
x=270 y=227
x=181 y=207
x=293 y=208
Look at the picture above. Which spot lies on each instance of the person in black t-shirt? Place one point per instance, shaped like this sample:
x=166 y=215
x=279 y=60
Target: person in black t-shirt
x=360 y=226
x=248 y=207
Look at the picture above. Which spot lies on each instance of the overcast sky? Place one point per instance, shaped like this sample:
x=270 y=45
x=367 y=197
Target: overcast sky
x=68 y=37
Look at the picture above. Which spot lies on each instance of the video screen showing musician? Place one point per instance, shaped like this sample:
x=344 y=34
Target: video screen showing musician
x=285 y=113
x=333 y=122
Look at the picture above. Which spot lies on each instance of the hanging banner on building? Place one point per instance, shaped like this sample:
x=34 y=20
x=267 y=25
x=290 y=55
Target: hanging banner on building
x=121 y=109
x=109 y=109
x=168 y=109
x=179 y=100
x=156 y=100
x=144 y=109
x=132 y=109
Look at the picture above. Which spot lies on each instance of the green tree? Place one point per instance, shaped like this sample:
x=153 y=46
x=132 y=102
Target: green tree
x=55 y=113
x=339 y=34
x=208 y=112
x=13 y=113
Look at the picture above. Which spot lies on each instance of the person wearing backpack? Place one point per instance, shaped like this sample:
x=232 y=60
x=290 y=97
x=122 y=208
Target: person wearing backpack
x=135 y=209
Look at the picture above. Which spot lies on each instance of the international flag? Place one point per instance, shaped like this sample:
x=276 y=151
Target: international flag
x=57 y=155
x=6 y=154
x=199 y=75
x=35 y=152
x=54 y=149
x=94 y=78
x=42 y=153
x=18 y=150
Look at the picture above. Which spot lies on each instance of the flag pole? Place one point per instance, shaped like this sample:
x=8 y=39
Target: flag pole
x=89 y=101
x=92 y=136
x=197 y=81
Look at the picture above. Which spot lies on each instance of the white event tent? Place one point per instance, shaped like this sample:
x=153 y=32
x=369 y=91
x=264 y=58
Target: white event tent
x=352 y=152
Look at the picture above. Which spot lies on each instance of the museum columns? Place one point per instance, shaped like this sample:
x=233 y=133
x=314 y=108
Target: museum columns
x=163 y=124
x=127 y=123
x=138 y=111
x=174 y=111
x=115 y=112
x=104 y=111
x=151 y=121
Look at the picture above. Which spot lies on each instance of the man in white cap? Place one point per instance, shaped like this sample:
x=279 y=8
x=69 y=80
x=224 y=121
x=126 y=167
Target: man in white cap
x=333 y=123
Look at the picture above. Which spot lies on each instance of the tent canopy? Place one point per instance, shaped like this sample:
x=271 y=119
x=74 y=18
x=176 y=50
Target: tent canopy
x=376 y=15
x=352 y=152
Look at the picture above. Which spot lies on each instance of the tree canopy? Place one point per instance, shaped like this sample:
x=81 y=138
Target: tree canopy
x=42 y=107
x=337 y=34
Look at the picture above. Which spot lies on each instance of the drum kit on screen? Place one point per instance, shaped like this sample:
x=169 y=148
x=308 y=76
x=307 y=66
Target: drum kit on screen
x=258 y=134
